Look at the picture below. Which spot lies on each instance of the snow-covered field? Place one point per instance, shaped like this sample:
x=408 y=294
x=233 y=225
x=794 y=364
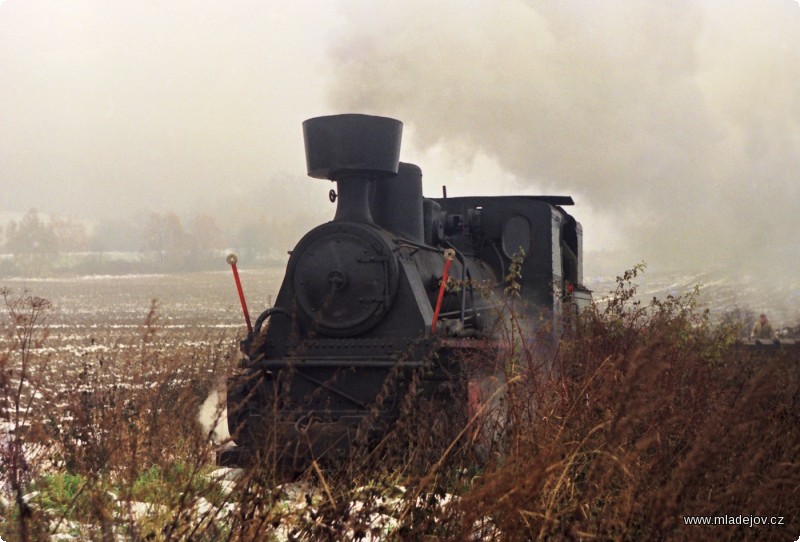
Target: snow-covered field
x=206 y=299
x=98 y=317
x=720 y=291
x=118 y=304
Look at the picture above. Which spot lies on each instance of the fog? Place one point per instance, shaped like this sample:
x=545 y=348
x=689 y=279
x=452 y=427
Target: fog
x=120 y=108
x=674 y=125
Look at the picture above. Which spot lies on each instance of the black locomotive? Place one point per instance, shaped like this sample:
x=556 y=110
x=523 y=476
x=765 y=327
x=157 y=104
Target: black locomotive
x=363 y=303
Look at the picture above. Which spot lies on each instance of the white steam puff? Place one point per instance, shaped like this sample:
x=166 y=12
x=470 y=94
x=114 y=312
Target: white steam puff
x=678 y=121
x=213 y=415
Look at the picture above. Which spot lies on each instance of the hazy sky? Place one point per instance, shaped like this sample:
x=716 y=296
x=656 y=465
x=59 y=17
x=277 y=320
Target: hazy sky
x=674 y=125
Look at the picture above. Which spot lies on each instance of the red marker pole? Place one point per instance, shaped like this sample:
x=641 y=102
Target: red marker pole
x=449 y=254
x=232 y=259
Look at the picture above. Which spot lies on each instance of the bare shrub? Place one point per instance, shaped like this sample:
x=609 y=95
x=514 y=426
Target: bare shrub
x=120 y=430
x=20 y=385
x=651 y=415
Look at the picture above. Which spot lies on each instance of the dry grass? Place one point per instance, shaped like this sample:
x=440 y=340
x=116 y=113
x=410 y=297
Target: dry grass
x=653 y=415
x=648 y=414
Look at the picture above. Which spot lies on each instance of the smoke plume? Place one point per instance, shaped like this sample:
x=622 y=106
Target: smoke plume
x=677 y=123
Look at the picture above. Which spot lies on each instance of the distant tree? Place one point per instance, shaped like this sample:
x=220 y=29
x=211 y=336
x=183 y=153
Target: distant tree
x=742 y=318
x=31 y=235
x=254 y=237
x=208 y=240
x=165 y=237
x=70 y=234
x=206 y=232
x=267 y=238
x=33 y=243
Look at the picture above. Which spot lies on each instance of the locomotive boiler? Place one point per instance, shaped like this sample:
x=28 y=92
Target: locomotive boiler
x=395 y=285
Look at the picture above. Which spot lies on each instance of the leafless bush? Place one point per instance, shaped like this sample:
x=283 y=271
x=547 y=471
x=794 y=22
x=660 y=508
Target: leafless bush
x=120 y=429
x=20 y=385
x=653 y=414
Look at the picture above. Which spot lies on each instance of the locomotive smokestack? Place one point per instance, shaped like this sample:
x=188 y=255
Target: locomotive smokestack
x=352 y=150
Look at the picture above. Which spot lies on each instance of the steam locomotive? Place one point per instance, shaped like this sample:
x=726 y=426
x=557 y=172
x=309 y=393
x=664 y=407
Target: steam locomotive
x=395 y=283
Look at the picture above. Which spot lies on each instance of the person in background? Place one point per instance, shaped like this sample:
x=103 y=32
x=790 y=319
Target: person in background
x=763 y=329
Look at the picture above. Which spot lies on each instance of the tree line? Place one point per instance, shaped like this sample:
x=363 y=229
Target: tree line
x=39 y=245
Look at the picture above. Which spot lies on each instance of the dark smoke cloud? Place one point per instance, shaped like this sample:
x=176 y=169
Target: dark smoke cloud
x=678 y=123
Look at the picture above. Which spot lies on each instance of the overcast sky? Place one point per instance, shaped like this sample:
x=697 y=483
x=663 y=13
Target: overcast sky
x=674 y=125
